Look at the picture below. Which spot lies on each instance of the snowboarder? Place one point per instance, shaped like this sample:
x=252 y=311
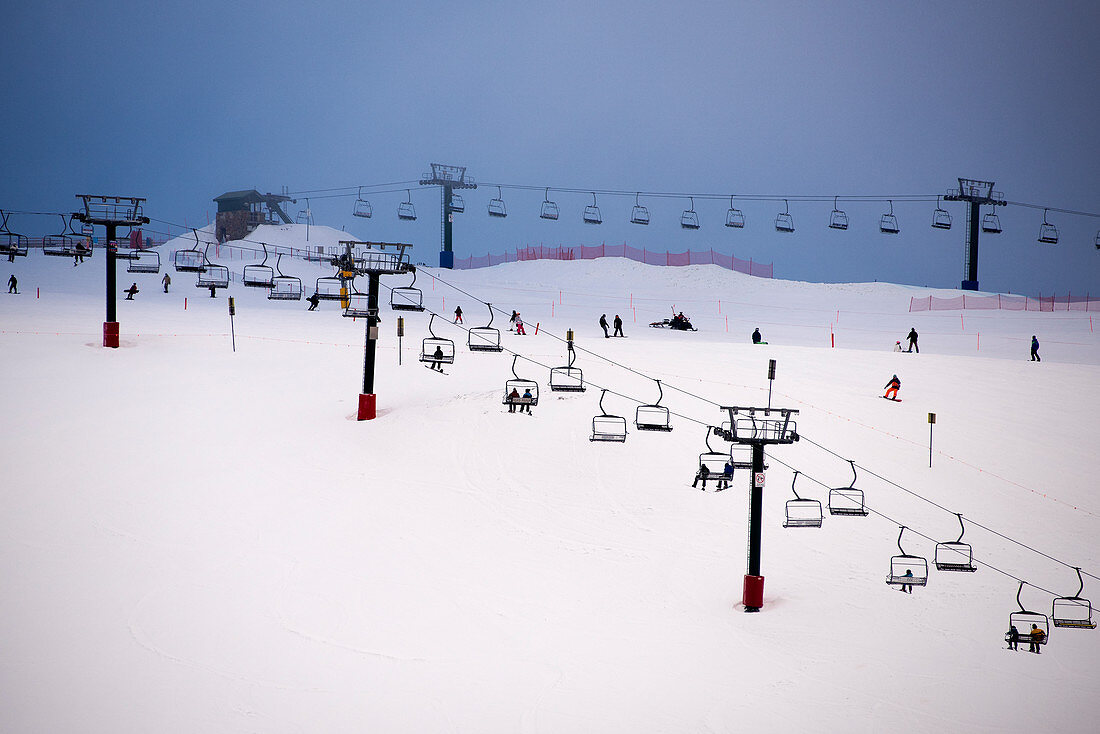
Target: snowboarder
x=13 y=284
x=892 y=387
x=618 y=326
x=727 y=475
x=704 y=474
x=313 y=301
x=519 y=324
x=1037 y=636
x=131 y=292
x=912 y=337
x=458 y=315
x=437 y=356
x=1035 y=349
x=1012 y=637
x=166 y=281
x=756 y=338
x=908 y=588
x=213 y=291
x=512 y=398
x=603 y=325
x=527 y=398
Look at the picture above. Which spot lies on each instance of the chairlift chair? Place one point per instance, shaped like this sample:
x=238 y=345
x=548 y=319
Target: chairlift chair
x=192 y=260
x=783 y=221
x=639 y=214
x=1023 y=620
x=496 y=206
x=735 y=217
x=258 y=276
x=407 y=298
x=144 y=261
x=906 y=569
x=521 y=386
x=838 y=219
x=653 y=417
x=330 y=288
x=431 y=343
x=284 y=287
x=713 y=461
x=1098 y=239
x=1048 y=233
x=802 y=512
x=567 y=378
x=607 y=427
x=991 y=223
x=214 y=276
x=955 y=555
x=549 y=209
x=64 y=244
x=304 y=216
x=405 y=210
x=357 y=305
x=458 y=204
x=592 y=213
x=689 y=219
x=362 y=207
x=11 y=244
x=484 y=338
x=1073 y=611
x=941 y=218
x=888 y=224
x=847 y=500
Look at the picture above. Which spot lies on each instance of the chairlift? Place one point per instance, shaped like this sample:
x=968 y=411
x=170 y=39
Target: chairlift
x=496 y=206
x=1073 y=611
x=435 y=349
x=906 y=569
x=1098 y=239
x=330 y=288
x=941 y=218
x=689 y=219
x=847 y=500
x=783 y=221
x=144 y=261
x=407 y=298
x=888 y=224
x=639 y=214
x=356 y=304
x=955 y=555
x=11 y=244
x=521 y=387
x=653 y=417
x=802 y=512
x=838 y=219
x=304 y=216
x=284 y=287
x=458 y=204
x=64 y=244
x=991 y=223
x=735 y=217
x=192 y=260
x=592 y=213
x=362 y=207
x=567 y=378
x=484 y=338
x=405 y=210
x=1048 y=233
x=1024 y=620
x=607 y=427
x=258 y=276
x=549 y=209
x=713 y=461
x=214 y=276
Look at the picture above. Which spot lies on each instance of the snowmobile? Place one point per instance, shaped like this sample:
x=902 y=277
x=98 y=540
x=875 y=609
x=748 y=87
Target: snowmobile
x=678 y=322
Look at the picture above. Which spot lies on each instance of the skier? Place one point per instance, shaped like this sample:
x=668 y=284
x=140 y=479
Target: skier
x=131 y=292
x=912 y=337
x=1035 y=349
x=603 y=325
x=756 y=338
x=13 y=284
x=438 y=357
x=519 y=324
x=458 y=315
x=908 y=588
x=618 y=326
x=704 y=474
x=1037 y=636
x=313 y=301
x=1012 y=637
x=527 y=397
x=892 y=387
x=512 y=398
x=727 y=475
x=166 y=281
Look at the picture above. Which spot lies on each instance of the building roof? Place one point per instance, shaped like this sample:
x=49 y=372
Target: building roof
x=251 y=196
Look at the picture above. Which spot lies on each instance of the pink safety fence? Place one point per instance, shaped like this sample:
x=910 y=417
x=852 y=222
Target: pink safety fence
x=1067 y=302
x=649 y=257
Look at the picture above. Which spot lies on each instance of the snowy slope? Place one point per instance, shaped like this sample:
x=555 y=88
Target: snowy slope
x=197 y=539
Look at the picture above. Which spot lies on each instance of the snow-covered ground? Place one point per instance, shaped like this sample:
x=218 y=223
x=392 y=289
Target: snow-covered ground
x=196 y=539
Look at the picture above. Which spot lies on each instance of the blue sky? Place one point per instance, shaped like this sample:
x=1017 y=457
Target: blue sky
x=180 y=102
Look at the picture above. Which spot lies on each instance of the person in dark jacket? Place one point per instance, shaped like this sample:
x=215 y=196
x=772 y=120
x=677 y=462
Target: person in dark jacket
x=892 y=387
x=131 y=292
x=1035 y=349
x=458 y=315
x=618 y=326
x=512 y=398
x=166 y=281
x=912 y=337
x=756 y=338
x=1012 y=637
x=603 y=325
x=13 y=284
x=908 y=588
x=313 y=301
x=727 y=475
x=704 y=474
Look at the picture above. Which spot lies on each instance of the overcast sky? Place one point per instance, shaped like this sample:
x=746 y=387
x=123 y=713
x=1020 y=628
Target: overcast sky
x=180 y=102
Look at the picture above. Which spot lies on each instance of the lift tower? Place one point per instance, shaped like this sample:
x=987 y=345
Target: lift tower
x=448 y=178
x=111 y=212
x=975 y=193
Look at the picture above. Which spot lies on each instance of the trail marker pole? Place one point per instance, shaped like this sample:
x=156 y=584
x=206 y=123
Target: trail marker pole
x=232 y=331
x=400 y=333
x=931 y=422
x=771 y=380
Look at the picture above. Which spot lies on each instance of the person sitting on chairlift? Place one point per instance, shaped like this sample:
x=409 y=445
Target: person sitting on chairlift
x=756 y=338
x=727 y=475
x=892 y=387
x=512 y=398
x=704 y=474
x=131 y=292
x=1036 y=636
x=438 y=357
x=908 y=588
x=1012 y=637
x=526 y=406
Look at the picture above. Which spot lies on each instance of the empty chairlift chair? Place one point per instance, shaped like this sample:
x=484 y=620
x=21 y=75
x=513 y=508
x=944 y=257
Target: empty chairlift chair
x=143 y=261
x=991 y=223
x=653 y=417
x=783 y=221
x=941 y=218
x=356 y=304
x=837 y=219
x=567 y=378
x=802 y=512
x=330 y=288
x=258 y=276
x=689 y=219
x=847 y=500
x=435 y=349
x=607 y=427
x=1023 y=620
x=518 y=391
x=496 y=206
x=549 y=209
x=362 y=207
x=888 y=224
x=735 y=217
x=284 y=287
x=906 y=569
x=639 y=214
x=407 y=298
x=11 y=244
x=484 y=338
x=458 y=204
x=1048 y=233
x=955 y=555
x=406 y=212
x=192 y=260
x=592 y=212
x=1073 y=611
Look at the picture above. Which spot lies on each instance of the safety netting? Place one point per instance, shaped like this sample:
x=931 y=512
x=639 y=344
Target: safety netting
x=1067 y=302
x=642 y=255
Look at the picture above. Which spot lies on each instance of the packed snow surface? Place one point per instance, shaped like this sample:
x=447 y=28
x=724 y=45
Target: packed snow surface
x=199 y=539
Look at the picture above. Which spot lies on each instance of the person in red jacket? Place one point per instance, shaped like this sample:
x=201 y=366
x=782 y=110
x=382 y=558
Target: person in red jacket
x=892 y=387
